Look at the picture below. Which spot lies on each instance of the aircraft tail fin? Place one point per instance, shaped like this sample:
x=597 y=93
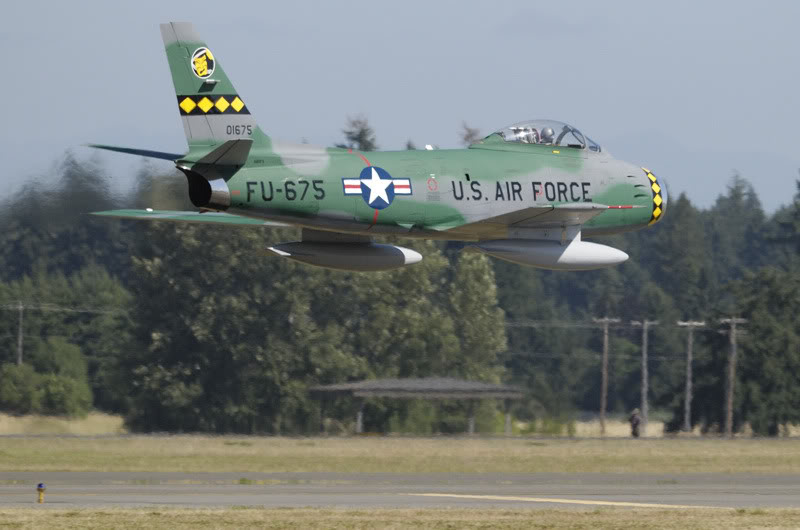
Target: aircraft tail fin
x=211 y=109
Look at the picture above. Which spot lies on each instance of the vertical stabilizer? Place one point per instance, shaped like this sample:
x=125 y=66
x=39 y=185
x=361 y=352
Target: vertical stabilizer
x=212 y=110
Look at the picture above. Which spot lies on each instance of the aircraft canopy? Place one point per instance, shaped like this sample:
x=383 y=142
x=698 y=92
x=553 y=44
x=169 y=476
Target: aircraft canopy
x=547 y=132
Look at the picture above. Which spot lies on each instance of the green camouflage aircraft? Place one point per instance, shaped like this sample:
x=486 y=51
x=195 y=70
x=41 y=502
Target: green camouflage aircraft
x=527 y=193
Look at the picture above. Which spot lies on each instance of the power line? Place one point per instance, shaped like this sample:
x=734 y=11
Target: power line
x=732 y=322
x=594 y=355
x=691 y=325
x=550 y=324
x=575 y=324
x=62 y=309
x=605 y=321
x=645 y=325
x=20 y=307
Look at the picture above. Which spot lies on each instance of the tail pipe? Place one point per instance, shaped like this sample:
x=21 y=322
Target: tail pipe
x=211 y=194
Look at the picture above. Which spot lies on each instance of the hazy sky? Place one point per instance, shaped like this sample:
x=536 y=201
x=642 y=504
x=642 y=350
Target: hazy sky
x=693 y=90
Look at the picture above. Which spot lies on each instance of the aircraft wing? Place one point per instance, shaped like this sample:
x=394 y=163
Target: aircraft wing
x=187 y=217
x=545 y=216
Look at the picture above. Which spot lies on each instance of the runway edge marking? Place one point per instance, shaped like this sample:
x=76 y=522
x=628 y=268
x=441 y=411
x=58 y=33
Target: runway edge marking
x=565 y=501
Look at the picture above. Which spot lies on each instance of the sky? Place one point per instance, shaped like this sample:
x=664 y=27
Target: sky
x=695 y=91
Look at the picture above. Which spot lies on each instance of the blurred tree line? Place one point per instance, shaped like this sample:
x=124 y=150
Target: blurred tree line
x=193 y=328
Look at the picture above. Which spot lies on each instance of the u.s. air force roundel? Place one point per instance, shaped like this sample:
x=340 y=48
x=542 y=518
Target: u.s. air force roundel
x=377 y=187
x=202 y=63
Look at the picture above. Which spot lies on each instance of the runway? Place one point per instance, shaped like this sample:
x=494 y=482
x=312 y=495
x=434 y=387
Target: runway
x=400 y=490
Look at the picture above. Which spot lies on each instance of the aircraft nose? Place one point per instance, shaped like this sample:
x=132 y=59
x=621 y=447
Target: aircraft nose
x=658 y=187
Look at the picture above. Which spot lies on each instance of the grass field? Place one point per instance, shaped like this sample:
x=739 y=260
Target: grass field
x=394 y=519
x=397 y=454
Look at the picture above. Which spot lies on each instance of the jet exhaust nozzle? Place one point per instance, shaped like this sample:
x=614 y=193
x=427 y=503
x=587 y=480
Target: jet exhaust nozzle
x=575 y=256
x=211 y=194
x=347 y=256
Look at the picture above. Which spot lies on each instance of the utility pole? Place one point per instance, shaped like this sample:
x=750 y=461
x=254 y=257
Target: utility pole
x=687 y=404
x=605 y=321
x=21 y=309
x=731 y=373
x=645 y=325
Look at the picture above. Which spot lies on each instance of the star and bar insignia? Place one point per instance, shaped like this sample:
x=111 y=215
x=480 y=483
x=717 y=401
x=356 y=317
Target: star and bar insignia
x=377 y=187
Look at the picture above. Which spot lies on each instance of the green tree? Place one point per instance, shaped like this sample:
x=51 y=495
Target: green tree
x=479 y=322
x=19 y=393
x=359 y=134
x=469 y=135
x=227 y=343
x=770 y=350
x=64 y=396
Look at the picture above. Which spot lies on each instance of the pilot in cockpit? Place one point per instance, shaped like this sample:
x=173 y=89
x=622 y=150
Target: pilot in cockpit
x=548 y=136
x=530 y=136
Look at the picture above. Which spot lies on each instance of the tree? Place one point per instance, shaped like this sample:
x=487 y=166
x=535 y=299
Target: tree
x=479 y=322
x=770 y=360
x=359 y=134
x=469 y=135
x=18 y=389
x=227 y=343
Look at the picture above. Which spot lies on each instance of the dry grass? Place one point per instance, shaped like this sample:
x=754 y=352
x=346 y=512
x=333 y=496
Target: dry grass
x=394 y=518
x=94 y=423
x=616 y=429
x=395 y=454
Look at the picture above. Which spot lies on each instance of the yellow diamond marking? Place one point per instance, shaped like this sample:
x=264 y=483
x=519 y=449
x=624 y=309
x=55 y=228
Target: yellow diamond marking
x=187 y=105
x=657 y=212
x=657 y=199
x=222 y=104
x=656 y=187
x=237 y=104
x=651 y=177
x=205 y=104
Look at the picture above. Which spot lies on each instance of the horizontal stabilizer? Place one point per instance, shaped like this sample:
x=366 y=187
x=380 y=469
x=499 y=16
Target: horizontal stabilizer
x=230 y=153
x=187 y=217
x=140 y=152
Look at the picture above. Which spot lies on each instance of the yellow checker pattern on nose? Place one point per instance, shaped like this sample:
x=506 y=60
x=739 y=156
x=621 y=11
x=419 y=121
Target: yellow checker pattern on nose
x=199 y=105
x=658 y=200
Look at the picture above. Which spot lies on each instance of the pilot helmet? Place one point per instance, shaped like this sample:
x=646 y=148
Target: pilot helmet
x=547 y=135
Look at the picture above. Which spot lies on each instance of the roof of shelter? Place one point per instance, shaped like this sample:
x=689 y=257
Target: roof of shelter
x=428 y=387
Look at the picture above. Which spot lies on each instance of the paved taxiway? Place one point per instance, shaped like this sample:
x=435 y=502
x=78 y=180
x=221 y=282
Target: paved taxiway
x=401 y=490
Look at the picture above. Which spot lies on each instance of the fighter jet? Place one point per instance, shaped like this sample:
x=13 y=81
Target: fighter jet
x=529 y=193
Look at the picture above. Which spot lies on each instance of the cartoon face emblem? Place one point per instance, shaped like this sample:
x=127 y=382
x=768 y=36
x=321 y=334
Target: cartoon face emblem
x=377 y=187
x=202 y=63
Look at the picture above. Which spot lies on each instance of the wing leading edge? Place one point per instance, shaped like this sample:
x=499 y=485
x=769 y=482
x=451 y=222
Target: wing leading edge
x=187 y=217
x=536 y=217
